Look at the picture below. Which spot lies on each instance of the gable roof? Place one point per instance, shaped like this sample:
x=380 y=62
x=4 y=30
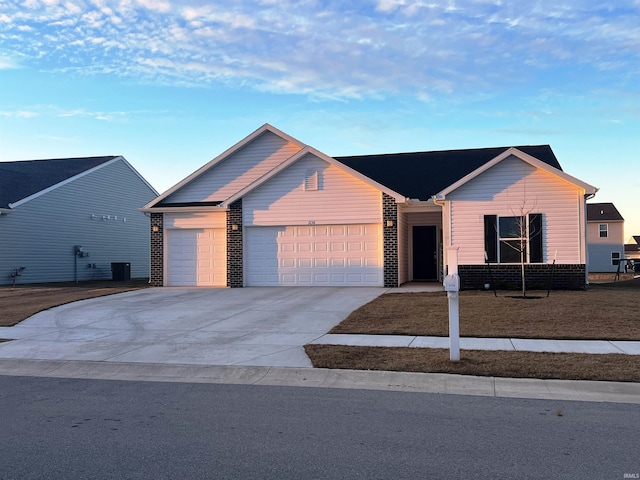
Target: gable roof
x=512 y=151
x=21 y=179
x=420 y=175
x=294 y=158
x=599 y=212
x=160 y=201
x=417 y=175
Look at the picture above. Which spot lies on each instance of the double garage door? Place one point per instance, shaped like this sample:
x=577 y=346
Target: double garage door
x=328 y=255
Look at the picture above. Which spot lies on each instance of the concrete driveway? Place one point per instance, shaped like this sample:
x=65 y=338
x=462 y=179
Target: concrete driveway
x=265 y=326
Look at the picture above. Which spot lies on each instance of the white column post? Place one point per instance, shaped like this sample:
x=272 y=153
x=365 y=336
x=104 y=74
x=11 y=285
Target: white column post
x=452 y=287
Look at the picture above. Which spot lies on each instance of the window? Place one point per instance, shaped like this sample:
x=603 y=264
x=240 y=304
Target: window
x=615 y=258
x=512 y=232
x=604 y=230
x=505 y=237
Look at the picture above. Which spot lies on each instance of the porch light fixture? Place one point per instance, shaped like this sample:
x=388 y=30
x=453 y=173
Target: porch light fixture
x=155 y=229
x=389 y=223
x=234 y=227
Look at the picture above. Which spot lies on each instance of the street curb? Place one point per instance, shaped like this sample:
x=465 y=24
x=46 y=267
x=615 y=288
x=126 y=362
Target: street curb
x=580 y=390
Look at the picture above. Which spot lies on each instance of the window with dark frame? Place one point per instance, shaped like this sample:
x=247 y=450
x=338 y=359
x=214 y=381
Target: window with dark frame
x=615 y=258
x=506 y=236
x=604 y=230
x=512 y=233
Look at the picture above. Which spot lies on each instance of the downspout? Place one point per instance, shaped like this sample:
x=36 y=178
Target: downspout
x=148 y=215
x=587 y=196
x=442 y=204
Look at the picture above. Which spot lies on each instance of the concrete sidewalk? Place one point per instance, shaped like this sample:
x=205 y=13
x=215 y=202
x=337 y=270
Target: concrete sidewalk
x=471 y=343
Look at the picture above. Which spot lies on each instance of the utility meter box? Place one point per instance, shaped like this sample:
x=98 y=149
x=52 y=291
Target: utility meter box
x=452 y=283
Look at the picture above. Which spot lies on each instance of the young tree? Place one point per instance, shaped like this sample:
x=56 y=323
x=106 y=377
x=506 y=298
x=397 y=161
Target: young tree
x=515 y=233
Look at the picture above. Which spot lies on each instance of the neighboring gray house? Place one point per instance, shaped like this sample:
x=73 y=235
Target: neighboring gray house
x=272 y=210
x=632 y=249
x=70 y=219
x=605 y=237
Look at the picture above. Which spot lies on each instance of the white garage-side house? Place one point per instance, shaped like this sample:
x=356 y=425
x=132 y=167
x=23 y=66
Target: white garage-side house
x=70 y=219
x=273 y=211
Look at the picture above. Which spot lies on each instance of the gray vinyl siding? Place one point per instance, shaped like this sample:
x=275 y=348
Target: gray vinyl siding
x=232 y=174
x=600 y=257
x=90 y=211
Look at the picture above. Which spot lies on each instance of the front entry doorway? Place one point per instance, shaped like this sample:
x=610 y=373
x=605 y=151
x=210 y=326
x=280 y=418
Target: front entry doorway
x=425 y=256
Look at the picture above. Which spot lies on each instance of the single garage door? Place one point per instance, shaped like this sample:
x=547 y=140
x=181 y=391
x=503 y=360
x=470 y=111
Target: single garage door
x=328 y=255
x=197 y=257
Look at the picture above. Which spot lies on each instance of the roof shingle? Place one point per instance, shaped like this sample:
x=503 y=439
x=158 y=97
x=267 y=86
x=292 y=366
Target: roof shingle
x=19 y=180
x=420 y=175
x=597 y=212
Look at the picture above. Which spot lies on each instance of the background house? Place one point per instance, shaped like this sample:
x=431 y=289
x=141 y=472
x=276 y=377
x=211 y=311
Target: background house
x=48 y=207
x=632 y=252
x=632 y=249
x=273 y=211
x=605 y=237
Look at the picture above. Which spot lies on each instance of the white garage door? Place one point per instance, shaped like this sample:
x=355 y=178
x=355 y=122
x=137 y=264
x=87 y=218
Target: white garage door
x=197 y=257
x=315 y=255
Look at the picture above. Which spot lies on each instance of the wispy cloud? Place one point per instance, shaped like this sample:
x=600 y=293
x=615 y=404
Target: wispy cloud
x=54 y=111
x=22 y=113
x=58 y=139
x=326 y=49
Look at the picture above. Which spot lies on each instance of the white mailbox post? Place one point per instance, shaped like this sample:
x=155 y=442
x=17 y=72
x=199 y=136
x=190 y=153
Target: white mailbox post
x=452 y=287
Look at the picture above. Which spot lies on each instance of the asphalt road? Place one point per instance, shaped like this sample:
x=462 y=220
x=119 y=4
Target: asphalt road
x=69 y=428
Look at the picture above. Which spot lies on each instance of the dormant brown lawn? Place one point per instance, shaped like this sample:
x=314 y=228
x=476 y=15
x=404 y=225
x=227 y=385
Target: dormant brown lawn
x=608 y=311
x=20 y=302
x=601 y=312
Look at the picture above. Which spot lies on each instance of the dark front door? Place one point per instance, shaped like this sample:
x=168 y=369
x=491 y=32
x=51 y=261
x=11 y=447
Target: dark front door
x=425 y=258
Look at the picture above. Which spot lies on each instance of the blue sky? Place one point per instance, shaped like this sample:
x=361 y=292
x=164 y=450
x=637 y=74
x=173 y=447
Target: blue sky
x=170 y=84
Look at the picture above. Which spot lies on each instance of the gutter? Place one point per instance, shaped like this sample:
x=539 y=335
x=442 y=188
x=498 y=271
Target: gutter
x=183 y=209
x=441 y=203
x=446 y=235
x=587 y=196
x=5 y=211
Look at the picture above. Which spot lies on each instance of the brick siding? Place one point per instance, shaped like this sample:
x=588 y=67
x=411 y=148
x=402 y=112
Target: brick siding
x=537 y=276
x=390 y=240
x=234 y=245
x=157 y=250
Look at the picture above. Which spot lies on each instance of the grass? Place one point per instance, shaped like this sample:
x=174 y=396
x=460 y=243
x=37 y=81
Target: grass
x=601 y=312
x=604 y=311
x=22 y=301
x=566 y=366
